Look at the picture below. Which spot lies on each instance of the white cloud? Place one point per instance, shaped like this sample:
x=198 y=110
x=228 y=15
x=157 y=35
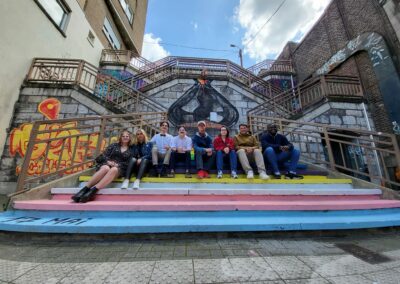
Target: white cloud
x=152 y=50
x=292 y=21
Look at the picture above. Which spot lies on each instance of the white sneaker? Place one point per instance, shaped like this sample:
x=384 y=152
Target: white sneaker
x=125 y=184
x=234 y=175
x=219 y=175
x=263 y=175
x=250 y=175
x=136 y=184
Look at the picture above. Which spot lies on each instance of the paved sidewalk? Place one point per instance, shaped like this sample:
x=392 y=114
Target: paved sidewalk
x=366 y=257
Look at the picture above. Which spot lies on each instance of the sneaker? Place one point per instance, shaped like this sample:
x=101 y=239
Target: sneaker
x=206 y=174
x=171 y=174
x=234 y=175
x=277 y=175
x=219 y=175
x=293 y=176
x=188 y=174
x=125 y=184
x=136 y=184
x=263 y=175
x=200 y=174
x=250 y=175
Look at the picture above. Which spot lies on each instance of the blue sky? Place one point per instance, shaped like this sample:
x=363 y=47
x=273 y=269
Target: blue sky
x=260 y=27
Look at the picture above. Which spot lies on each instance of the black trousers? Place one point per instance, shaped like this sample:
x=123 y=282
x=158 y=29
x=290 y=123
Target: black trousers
x=140 y=170
x=175 y=156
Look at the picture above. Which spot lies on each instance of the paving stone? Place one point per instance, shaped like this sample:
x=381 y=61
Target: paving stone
x=131 y=272
x=253 y=269
x=89 y=273
x=290 y=267
x=265 y=282
x=176 y=271
x=308 y=281
x=198 y=253
x=352 y=279
x=45 y=273
x=10 y=270
x=338 y=265
x=214 y=270
x=387 y=276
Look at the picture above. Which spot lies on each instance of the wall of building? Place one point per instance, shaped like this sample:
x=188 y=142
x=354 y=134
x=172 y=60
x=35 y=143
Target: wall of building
x=71 y=103
x=27 y=33
x=343 y=21
x=392 y=9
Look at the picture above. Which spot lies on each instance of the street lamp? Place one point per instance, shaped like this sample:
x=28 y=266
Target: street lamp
x=240 y=54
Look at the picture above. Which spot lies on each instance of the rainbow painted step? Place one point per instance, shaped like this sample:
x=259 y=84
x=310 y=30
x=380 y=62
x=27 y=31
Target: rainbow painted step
x=191 y=205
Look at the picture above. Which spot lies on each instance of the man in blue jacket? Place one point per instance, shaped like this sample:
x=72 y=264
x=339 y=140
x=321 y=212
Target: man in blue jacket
x=203 y=150
x=277 y=149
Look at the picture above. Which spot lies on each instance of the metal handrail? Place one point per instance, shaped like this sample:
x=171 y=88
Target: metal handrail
x=65 y=146
x=88 y=77
x=368 y=155
x=308 y=93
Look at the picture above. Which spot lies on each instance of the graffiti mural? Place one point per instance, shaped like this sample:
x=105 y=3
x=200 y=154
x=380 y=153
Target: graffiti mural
x=62 y=153
x=389 y=82
x=203 y=102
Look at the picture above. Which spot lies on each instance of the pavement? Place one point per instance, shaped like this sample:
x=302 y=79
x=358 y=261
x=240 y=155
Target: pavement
x=362 y=256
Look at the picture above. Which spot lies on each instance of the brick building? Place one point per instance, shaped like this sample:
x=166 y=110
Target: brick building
x=343 y=21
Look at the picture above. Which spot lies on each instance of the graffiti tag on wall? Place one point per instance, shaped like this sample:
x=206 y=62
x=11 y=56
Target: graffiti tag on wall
x=58 y=153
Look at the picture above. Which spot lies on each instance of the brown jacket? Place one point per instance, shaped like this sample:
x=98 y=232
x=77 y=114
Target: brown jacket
x=245 y=140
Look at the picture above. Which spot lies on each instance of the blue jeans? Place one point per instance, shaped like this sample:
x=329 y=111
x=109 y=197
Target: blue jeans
x=203 y=161
x=232 y=160
x=275 y=158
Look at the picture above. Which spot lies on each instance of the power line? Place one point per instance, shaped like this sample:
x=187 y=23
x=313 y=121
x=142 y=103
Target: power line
x=190 y=47
x=259 y=30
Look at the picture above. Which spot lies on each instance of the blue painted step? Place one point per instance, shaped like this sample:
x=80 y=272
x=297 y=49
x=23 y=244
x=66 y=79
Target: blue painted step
x=163 y=222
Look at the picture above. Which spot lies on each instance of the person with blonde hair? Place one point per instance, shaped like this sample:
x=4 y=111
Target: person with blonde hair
x=111 y=164
x=141 y=159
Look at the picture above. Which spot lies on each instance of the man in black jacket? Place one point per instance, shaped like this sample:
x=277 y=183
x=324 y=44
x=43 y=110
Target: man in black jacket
x=277 y=149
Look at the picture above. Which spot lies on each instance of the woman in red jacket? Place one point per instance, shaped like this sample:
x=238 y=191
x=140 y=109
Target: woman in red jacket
x=224 y=147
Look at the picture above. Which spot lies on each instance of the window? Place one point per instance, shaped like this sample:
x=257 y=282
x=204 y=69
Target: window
x=91 y=38
x=112 y=38
x=127 y=9
x=57 y=11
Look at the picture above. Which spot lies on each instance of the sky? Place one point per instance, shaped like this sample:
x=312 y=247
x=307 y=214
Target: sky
x=207 y=28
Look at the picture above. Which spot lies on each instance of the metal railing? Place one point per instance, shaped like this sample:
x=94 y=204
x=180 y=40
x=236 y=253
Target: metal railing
x=270 y=66
x=171 y=67
x=83 y=74
x=123 y=57
x=309 y=93
x=65 y=146
x=371 y=156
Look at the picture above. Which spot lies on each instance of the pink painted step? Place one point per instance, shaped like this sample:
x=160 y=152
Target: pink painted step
x=216 y=198
x=206 y=205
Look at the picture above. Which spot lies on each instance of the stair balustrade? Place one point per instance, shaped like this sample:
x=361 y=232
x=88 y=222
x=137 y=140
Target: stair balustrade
x=88 y=77
x=269 y=66
x=309 y=93
x=370 y=156
x=66 y=146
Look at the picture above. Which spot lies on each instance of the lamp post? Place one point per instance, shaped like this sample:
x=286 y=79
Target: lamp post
x=240 y=54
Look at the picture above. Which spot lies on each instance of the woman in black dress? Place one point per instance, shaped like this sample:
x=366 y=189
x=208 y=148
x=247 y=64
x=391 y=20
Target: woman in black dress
x=114 y=164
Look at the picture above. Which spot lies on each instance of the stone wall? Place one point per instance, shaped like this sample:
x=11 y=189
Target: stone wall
x=73 y=104
x=241 y=99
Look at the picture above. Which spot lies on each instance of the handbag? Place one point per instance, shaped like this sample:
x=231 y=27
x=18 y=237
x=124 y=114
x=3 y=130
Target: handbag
x=100 y=159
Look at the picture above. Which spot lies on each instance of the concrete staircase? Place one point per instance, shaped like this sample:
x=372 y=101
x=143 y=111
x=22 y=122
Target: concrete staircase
x=317 y=202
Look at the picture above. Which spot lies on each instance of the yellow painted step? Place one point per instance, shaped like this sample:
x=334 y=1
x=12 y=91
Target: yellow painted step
x=180 y=178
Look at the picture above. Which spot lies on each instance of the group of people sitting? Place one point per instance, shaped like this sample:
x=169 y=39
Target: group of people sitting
x=139 y=154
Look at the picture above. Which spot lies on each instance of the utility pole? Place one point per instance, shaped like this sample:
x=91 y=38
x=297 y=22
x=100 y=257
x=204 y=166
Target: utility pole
x=240 y=54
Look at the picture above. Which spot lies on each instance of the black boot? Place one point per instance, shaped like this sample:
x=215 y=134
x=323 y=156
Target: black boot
x=89 y=196
x=163 y=172
x=80 y=193
x=154 y=171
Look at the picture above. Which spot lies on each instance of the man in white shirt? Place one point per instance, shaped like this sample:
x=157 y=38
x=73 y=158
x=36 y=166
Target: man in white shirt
x=181 y=147
x=161 y=150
